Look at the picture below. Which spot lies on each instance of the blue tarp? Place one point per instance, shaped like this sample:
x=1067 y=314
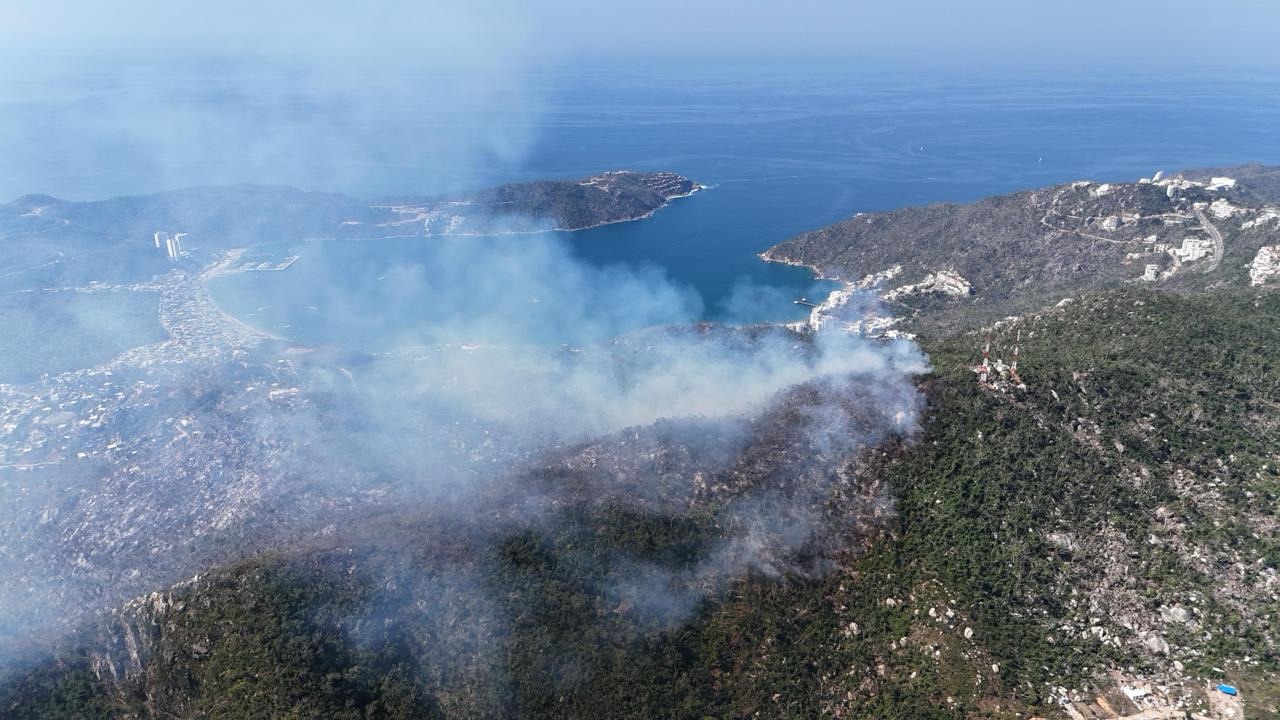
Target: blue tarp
x=1228 y=689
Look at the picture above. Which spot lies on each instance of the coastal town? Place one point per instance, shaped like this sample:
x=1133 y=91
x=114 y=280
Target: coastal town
x=166 y=416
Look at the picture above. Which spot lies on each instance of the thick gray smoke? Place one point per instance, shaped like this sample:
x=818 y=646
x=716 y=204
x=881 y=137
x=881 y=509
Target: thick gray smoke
x=498 y=418
x=220 y=457
x=518 y=346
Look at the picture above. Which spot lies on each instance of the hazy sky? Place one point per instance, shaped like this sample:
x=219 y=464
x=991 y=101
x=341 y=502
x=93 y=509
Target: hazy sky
x=1165 y=32
x=313 y=92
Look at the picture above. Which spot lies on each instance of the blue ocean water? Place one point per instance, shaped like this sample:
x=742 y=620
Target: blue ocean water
x=781 y=149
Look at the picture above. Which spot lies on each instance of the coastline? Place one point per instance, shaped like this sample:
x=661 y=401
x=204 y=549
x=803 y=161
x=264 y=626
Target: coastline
x=817 y=272
x=218 y=270
x=220 y=267
x=667 y=203
x=826 y=312
x=232 y=319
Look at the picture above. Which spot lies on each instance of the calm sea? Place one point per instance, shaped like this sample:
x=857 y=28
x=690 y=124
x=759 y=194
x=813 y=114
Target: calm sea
x=782 y=150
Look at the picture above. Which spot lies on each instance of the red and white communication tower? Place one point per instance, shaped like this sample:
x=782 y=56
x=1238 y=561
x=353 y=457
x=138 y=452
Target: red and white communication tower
x=984 y=368
x=998 y=375
x=1013 y=368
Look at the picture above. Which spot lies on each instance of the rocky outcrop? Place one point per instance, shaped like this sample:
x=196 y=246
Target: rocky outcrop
x=1265 y=265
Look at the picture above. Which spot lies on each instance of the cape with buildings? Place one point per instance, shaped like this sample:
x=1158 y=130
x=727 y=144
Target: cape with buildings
x=948 y=266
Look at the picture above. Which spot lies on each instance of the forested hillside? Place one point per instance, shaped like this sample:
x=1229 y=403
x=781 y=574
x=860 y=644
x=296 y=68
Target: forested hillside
x=1116 y=516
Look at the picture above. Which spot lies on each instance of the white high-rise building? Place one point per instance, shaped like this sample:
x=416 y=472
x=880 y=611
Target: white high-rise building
x=172 y=243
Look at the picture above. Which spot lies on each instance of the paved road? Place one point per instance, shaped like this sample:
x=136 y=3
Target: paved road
x=1218 y=246
x=47 y=263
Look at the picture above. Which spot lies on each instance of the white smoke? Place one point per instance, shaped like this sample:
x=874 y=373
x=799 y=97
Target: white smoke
x=522 y=355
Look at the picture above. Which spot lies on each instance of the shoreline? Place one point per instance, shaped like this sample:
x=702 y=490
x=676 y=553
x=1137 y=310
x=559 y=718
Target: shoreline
x=232 y=319
x=821 y=312
x=218 y=270
x=667 y=203
x=813 y=269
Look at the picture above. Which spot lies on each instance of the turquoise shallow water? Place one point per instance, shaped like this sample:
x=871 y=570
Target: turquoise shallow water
x=570 y=288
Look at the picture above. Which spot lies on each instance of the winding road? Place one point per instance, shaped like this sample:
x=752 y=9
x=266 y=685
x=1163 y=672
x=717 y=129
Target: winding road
x=1219 y=247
